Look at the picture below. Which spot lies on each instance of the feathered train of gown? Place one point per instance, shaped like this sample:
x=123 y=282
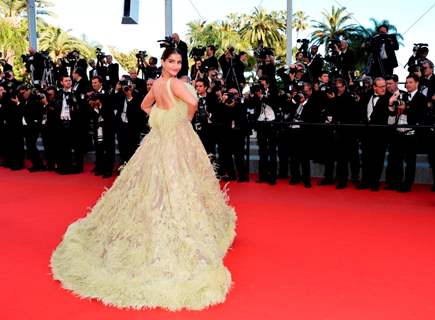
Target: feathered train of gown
x=158 y=236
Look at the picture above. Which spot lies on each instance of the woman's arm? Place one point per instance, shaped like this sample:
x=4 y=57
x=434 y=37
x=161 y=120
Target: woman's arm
x=180 y=91
x=148 y=101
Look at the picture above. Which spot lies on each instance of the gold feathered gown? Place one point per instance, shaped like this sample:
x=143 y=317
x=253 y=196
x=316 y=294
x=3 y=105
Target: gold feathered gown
x=158 y=236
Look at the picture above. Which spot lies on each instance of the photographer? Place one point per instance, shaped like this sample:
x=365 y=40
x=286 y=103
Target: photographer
x=408 y=109
x=382 y=46
x=233 y=68
x=266 y=135
x=34 y=63
x=49 y=127
x=112 y=77
x=104 y=134
x=74 y=61
x=234 y=132
x=182 y=46
x=427 y=81
x=420 y=52
x=69 y=115
x=300 y=137
x=202 y=120
x=346 y=61
x=197 y=69
x=315 y=64
x=374 y=140
x=211 y=60
x=344 y=111
x=129 y=120
x=266 y=68
x=32 y=109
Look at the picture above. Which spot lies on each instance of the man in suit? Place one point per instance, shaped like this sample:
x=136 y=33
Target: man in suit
x=32 y=123
x=303 y=110
x=129 y=120
x=112 y=77
x=182 y=46
x=316 y=62
x=346 y=61
x=211 y=60
x=374 y=110
x=410 y=110
x=104 y=133
x=68 y=117
x=384 y=58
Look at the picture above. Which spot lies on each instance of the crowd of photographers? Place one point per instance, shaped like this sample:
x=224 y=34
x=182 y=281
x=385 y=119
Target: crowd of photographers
x=319 y=110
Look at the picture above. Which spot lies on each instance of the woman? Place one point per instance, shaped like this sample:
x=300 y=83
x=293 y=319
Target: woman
x=158 y=236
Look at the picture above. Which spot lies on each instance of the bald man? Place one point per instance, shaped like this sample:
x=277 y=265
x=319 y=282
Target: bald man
x=182 y=46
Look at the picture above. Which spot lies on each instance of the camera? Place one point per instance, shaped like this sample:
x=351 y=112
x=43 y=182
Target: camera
x=298 y=97
x=197 y=52
x=261 y=53
x=141 y=55
x=302 y=45
x=168 y=42
x=230 y=98
x=326 y=89
x=100 y=54
x=125 y=84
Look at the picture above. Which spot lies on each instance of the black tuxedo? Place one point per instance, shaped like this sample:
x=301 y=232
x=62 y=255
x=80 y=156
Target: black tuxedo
x=32 y=115
x=381 y=66
x=103 y=119
x=347 y=64
x=234 y=132
x=130 y=120
x=345 y=111
x=112 y=74
x=70 y=132
x=301 y=139
x=13 y=130
x=405 y=140
x=315 y=66
x=374 y=140
x=182 y=46
x=211 y=62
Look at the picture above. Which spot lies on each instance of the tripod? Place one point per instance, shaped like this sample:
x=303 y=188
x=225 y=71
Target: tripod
x=233 y=76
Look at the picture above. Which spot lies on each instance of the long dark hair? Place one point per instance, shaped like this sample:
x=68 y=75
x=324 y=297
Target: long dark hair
x=168 y=51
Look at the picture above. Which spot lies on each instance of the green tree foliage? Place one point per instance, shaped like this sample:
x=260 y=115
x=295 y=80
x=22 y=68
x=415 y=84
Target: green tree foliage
x=127 y=61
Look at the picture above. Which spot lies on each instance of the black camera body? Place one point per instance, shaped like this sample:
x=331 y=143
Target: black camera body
x=141 y=55
x=302 y=45
x=197 y=52
x=261 y=53
x=167 y=42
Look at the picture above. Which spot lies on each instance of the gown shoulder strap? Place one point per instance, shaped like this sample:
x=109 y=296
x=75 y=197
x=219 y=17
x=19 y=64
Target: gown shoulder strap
x=171 y=95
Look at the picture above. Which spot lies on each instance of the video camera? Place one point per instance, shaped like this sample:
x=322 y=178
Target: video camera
x=168 y=42
x=197 y=52
x=261 y=53
x=141 y=55
x=302 y=45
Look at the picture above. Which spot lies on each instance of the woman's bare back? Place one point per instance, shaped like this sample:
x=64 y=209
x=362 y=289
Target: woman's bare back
x=162 y=95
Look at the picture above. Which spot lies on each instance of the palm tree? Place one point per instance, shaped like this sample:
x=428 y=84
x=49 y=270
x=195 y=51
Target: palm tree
x=262 y=27
x=335 y=25
x=15 y=9
x=299 y=22
x=59 y=43
x=12 y=40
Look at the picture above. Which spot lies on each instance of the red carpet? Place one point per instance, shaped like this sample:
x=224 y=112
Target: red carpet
x=299 y=254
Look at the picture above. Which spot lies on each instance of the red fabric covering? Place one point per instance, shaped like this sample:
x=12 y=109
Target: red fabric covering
x=299 y=254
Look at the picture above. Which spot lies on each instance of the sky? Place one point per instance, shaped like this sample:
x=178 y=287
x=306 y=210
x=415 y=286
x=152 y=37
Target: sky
x=100 y=20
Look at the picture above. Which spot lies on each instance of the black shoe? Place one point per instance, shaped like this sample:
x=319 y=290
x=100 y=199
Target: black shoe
x=282 y=176
x=228 y=178
x=404 y=188
x=34 y=169
x=325 y=182
x=243 y=179
x=433 y=188
x=363 y=186
x=390 y=187
x=107 y=175
x=341 y=185
x=294 y=182
x=98 y=173
x=272 y=182
x=375 y=188
x=307 y=184
x=260 y=181
x=16 y=168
